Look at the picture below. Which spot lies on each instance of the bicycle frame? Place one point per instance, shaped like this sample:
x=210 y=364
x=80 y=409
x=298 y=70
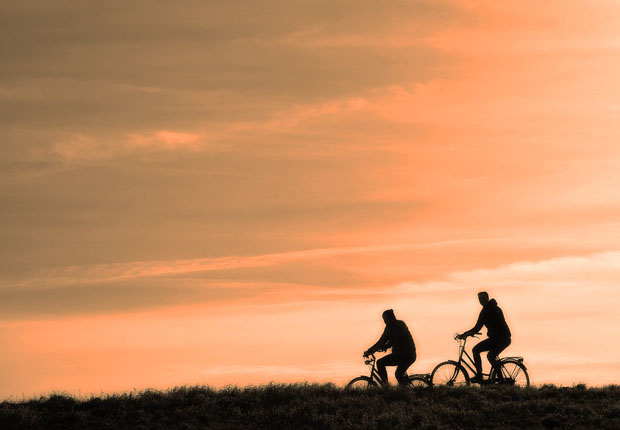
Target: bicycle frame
x=413 y=380
x=467 y=360
x=374 y=374
x=468 y=363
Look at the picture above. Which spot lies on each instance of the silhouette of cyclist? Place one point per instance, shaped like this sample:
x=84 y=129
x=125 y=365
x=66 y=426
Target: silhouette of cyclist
x=396 y=336
x=492 y=317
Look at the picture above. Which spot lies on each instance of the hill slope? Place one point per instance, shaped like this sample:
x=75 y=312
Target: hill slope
x=325 y=406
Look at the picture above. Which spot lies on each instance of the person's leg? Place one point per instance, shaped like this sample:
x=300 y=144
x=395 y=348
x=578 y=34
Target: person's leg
x=388 y=360
x=401 y=370
x=485 y=345
x=498 y=345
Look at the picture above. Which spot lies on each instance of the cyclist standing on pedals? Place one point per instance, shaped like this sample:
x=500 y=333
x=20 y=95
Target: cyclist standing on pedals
x=396 y=336
x=492 y=317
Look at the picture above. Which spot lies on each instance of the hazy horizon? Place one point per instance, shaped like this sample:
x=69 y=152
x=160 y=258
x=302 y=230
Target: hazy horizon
x=233 y=192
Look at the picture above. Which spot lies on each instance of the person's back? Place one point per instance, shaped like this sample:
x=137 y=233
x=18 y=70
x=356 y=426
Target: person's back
x=400 y=338
x=492 y=317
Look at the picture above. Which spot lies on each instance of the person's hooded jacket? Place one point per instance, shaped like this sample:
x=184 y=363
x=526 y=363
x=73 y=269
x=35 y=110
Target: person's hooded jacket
x=396 y=336
x=492 y=317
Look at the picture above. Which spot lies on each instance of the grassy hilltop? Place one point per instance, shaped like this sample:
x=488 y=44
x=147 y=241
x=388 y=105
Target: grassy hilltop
x=305 y=406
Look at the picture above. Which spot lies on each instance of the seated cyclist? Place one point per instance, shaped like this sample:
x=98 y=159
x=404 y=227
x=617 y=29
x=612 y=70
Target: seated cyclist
x=396 y=336
x=492 y=317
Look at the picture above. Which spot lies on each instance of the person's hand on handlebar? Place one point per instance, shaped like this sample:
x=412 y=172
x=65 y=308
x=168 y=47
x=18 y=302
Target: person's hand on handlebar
x=367 y=353
x=466 y=335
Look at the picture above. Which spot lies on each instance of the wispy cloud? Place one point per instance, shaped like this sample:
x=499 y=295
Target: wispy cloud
x=165 y=138
x=80 y=147
x=587 y=271
x=120 y=271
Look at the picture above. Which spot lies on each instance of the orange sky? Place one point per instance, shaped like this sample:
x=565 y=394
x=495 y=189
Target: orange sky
x=232 y=193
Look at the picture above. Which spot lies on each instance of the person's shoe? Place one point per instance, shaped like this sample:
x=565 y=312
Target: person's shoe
x=477 y=380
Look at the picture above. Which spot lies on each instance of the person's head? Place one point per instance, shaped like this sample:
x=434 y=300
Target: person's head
x=483 y=297
x=389 y=316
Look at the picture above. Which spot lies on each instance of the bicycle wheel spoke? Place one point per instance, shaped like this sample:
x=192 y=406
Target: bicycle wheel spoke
x=418 y=381
x=514 y=373
x=362 y=382
x=448 y=374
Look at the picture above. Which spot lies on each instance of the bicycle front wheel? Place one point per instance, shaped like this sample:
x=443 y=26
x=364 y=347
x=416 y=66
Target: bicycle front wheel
x=513 y=373
x=361 y=382
x=449 y=373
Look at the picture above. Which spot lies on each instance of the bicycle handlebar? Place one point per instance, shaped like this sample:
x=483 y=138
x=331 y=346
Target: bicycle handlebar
x=460 y=337
x=369 y=359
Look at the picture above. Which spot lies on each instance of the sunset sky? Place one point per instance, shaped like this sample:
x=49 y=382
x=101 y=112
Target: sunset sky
x=232 y=192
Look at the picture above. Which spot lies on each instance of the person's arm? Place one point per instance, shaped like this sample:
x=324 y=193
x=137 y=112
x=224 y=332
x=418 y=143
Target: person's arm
x=478 y=325
x=381 y=343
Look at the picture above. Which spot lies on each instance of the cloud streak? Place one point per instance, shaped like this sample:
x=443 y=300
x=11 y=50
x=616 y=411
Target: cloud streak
x=84 y=148
x=122 y=271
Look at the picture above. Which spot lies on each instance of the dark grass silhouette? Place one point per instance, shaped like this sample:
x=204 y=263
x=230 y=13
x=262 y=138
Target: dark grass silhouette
x=304 y=406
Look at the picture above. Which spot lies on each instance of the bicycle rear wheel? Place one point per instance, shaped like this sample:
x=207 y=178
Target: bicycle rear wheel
x=361 y=382
x=419 y=381
x=449 y=373
x=513 y=372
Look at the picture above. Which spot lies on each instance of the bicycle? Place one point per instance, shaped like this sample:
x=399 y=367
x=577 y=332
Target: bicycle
x=455 y=373
x=374 y=380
